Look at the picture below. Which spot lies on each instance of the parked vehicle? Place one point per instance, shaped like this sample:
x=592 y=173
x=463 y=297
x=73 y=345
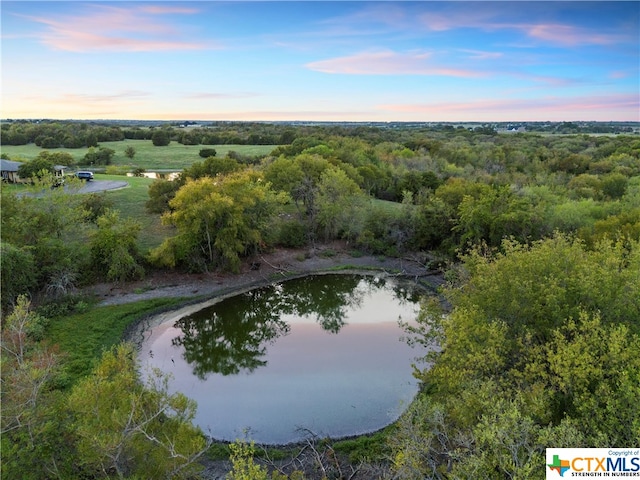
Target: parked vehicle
x=84 y=175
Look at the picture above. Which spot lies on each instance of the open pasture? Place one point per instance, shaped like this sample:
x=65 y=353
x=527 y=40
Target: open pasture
x=175 y=156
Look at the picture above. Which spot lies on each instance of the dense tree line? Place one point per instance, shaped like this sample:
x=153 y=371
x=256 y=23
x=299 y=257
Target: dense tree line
x=450 y=190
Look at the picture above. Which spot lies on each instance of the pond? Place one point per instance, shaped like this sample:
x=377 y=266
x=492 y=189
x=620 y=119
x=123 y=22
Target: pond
x=321 y=354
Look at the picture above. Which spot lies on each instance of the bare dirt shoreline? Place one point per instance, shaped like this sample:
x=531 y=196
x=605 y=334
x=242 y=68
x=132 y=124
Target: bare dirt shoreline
x=261 y=269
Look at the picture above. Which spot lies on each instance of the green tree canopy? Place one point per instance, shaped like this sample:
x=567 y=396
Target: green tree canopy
x=129 y=428
x=218 y=220
x=541 y=347
x=160 y=138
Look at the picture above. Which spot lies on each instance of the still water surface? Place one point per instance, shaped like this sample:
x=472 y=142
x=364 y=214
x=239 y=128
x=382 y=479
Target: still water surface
x=321 y=354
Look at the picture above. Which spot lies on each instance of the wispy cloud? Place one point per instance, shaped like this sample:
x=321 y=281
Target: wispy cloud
x=116 y=29
x=268 y=115
x=163 y=9
x=219 y=96
x=618 y=74
x=568 y=35
x=83 y=105
x=482 y=55
x=101 y=97
x=542 y=108
x=493 y=18
x=388 y=62
x=373 y=18
x=89 y=99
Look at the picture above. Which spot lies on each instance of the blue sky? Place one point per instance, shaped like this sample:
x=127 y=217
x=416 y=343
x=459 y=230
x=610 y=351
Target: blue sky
x=329 y=61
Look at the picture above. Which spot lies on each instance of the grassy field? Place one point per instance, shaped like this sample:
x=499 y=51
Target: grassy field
x=175 y=156
x=130 y=201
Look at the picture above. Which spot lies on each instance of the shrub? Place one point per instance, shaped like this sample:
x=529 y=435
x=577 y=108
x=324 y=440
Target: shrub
x=17 y=273
x=293 y=234
x=160 y=138
x=207 y=152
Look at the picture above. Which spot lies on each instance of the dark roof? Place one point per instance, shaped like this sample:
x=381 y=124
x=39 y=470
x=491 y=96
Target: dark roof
x=9 y=166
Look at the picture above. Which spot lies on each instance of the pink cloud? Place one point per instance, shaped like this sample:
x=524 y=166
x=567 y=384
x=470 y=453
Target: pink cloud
x=120 y=29
x=389 y=63
x=568 y=35
x=488 y=19
x=618 y=74
x=603 y=107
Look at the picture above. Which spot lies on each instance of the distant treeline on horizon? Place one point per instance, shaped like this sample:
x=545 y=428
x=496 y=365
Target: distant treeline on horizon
x=53 y=134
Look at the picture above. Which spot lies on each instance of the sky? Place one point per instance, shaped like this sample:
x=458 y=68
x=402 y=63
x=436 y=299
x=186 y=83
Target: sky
x=448 y=61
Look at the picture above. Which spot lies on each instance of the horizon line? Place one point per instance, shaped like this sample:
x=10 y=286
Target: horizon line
x=183 y=119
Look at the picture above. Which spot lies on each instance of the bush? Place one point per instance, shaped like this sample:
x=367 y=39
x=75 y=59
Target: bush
x=293 y=234
x=64 y=305
x=96 y=205
x=207 y=152
x=99 y=156
x=17 y=275
x=160 y=138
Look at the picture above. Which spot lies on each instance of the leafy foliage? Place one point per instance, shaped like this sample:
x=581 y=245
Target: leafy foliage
x=129 y=429
x=113 y=247
x=99 y=156
x=218 y=220
x=17 y=273
x=542 y=347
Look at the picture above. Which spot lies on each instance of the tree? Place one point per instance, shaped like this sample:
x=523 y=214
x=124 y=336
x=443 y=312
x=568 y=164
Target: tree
x=161 y=138
x=212 y=167
x=540 y=347
x=131 y=429
x=218 y=220
x=36 y=168
x=52 y=227
x=161 y=192
x=130 y=152
x=96 y=205
x=284 y=174
x=99 y=156
x=114 y=252
x=497 y=214
x=339 y=204
x=35 y=437
x=614 y=185
x=57 y=158
x=17 y=273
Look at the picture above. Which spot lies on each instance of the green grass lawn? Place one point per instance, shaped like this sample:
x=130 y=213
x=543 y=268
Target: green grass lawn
x=84 y=336
x=130 y=202
x=175 y=156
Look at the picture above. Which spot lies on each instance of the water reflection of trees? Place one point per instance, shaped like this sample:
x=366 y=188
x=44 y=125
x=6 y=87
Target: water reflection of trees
x=231 y=336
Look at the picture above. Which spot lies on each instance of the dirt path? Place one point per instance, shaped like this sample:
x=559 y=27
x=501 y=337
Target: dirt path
x=259 y=270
